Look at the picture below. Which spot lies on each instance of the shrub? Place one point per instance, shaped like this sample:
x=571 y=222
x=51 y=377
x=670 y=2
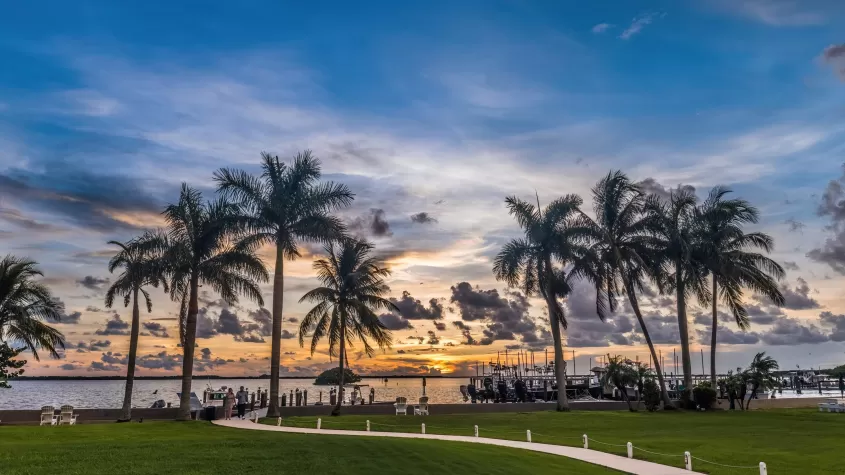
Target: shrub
x=651 y=394
x=331 y=377
x=704 y=395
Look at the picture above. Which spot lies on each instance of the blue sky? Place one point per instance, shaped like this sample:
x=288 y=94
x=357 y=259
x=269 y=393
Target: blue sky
x=436 y=107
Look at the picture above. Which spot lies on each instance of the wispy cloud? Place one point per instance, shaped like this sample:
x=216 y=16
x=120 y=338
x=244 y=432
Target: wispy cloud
x=835 y=56
x=640 y=22
x=778 y=12
x=601 y=28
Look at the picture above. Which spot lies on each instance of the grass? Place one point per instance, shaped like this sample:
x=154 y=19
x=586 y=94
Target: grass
x=163 y=448
x=789 y=441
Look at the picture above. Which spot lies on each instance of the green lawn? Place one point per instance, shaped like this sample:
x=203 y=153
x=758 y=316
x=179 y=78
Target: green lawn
x=162 y=448
x=789 y=441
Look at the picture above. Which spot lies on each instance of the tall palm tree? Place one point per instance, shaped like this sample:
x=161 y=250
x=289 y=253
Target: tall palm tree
x=727 y=252
x=141 y=268
x=283 y=207
x=620 y=373
x=622 y=252
x=25 y=307
x=761 y=374
x=529 y=263
x=674 y=230
x=201 y=248
x=352 y=291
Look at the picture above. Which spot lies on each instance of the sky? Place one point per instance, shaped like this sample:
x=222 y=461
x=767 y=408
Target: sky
x=432 y=113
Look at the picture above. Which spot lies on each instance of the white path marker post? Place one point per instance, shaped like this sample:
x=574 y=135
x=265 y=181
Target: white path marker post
x=368 y=425
x=319 y=422
x=688 y=461
x=763 y=469
x=279 y=422
x=630 y=450
x=528 y=435
x=476 y=431
x=423 y=427
x=586 y=444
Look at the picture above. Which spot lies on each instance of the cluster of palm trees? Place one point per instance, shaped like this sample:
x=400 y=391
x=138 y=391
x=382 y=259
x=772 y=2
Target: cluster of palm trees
x=215 y=244
x=636 y=240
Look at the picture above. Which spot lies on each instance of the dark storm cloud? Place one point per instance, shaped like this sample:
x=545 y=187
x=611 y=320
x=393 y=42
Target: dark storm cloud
x=440 y=326
x=93 y=309
x=113 y=358
x=727 y=336
x=837 y=322
x=68 y=367
x=228 y=323
x=789 y=265
x=423 y=218
x=798 y=298
x=114 y=326
x=584 y=327
x=791 y=331
x=650 y=186
x=433 y=339
x=79 y=196
x=156 y=329
x=205 y=324
x=264 y=321
x=835 y=55
x=395 y=322
x=763 y=314
x=504 y=318
x=205 y=362
x=412 y=309
x=466 y=331
x=100 y=366
x=373 y=224
x=832 y=206
x=70 y=318
x=286 y=335
x=160 y=360
x=97 y=284
x=99 y=345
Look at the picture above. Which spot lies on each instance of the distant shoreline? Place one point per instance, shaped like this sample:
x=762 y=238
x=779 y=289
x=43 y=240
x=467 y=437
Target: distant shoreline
x=117 y=378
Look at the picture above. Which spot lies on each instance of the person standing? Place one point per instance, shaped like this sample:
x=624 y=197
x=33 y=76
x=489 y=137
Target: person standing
x=229 y=404
x=242 y=398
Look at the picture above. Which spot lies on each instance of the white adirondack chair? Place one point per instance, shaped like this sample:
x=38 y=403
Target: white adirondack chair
x=48 y=416
x=401 y=406
x=67 y=416
x=422 y=407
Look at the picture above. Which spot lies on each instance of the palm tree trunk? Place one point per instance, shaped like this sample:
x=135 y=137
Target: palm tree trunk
x=624 y=391
x=560 y=366
x=188 y=350
x=713 y=338
x=276 y=343
x=632 y=298
x=336 y=410
x=686 y=360
x=126 y=413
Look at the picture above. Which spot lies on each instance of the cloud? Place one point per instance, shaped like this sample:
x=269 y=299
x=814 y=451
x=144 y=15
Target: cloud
x=70 y=318
x=834 y=55
x=14 y=216
x=373 y=224
x=395 y=322
x=791 y=331
x=100 y=366
x=97 y=284
x=114 y=358
x=433 y=339
x=286 y=335
x=114 y=326
x=156 y=329
x=727 y=336
x=423 y=218
x=794 y=225
x=504 y=318
x=264 y=319
x=584 y=327
x=466 y=331
x=94 y=345
x=413 y=309
x=638 y=23
x=160 y=360
x=69 y=367
x=777 y=12
x=650 y=186
x=601 y=28
x=797 y=298
x=837 y=322
x=791 y=265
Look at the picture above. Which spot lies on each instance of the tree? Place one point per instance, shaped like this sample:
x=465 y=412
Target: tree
x=283 y=207
x=673 y=228
x=141 y=267
x=201 y=248
x=352 y=290
x=760 y=374
x=529 y=263
x=642 y=373
x=25 y=307
x=726 y=251
x=9 y=367
x=621 y=252
x=620 y=373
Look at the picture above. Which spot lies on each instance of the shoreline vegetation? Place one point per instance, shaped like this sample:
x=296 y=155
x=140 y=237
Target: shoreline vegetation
x=263 y=376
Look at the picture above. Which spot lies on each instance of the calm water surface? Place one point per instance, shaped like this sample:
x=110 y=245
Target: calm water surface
x=109 y=394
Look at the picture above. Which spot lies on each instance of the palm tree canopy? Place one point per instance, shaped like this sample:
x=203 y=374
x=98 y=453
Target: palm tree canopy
x=619 y=372
x=286 y=203
x=761 y=371
x=728 y=252
x=202 y=242
x=142 y=266
x=26 y=306
x=549 y=237
x=352 y=291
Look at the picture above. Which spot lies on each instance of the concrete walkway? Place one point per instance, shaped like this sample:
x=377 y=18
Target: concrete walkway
x=623 y=464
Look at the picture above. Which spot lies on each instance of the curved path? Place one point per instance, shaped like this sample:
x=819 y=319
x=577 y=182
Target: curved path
x=623 y=464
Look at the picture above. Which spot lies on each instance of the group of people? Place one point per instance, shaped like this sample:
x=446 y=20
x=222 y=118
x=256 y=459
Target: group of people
x=241 y=399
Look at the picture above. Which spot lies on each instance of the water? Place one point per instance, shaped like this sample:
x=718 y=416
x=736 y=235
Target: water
x=109 y=394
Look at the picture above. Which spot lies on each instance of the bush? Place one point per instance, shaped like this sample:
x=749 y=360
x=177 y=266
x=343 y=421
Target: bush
x=651 y=394
x=331 y=377
x=704 y=395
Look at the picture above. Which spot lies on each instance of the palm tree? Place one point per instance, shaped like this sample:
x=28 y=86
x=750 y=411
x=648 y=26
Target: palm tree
x=641 y=373
x=727 y=253
x=674 y=230
x=25 y=306
x=141 y=267
x=620 y=373
x=200 y=248
x=352 y=291
x=282 y=207
x=529 y=263
x=621 y=252
x=761 y=374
